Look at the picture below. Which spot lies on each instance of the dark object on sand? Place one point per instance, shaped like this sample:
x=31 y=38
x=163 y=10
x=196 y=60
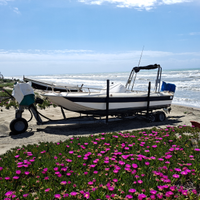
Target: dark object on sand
x=195 y=124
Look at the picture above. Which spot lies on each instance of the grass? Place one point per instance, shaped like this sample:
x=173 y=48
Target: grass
x=7 y=82
x=146 y=164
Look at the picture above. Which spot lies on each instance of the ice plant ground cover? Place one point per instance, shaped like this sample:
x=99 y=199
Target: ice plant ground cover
x=145 y=164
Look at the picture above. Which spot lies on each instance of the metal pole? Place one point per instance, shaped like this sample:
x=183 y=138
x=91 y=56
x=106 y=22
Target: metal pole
x=148 y=98
x=107 y=101
x=36 y=114
x=63 y=113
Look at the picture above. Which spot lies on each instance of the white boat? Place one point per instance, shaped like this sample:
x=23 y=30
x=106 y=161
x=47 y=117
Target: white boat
x=117 y=99
x=47 y=85
x=1 y=76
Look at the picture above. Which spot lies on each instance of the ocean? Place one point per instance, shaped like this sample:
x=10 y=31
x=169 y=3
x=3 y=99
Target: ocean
x=187 y=82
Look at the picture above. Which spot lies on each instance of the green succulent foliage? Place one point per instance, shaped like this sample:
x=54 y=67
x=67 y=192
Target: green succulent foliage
x=126 y=165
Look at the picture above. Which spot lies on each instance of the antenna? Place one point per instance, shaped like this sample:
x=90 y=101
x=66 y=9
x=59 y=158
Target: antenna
x=133 y=74
x=141 y=56
x=138 y=66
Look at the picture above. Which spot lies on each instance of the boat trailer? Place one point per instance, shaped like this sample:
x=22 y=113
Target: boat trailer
x=20 y=125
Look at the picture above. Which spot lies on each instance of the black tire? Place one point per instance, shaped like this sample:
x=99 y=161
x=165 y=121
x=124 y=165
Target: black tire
x=151 y=118
x=160 y=116
x=18 y=125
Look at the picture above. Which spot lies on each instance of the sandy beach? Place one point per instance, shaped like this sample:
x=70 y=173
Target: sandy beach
x=55 y=132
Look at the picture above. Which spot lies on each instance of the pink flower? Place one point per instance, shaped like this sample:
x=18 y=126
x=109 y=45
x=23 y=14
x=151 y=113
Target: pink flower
x=90 y=183
x=63 y=182
x=141 y=196
x=197 y=149
x=64 y=169
x=160 y=196
x=73 y=193
x=168 y=194
x=115 y=180
x=87 y=195
x=8 y=194
x=177 y=169
x=153 y=191
x=57 y=196
x=121 y=162
x=172 y=188
x=125 y=156
x=1 y=168
x=111 y=188
x=176 y=176
x=26 y=173
x=132 y=190
x=129 y=196
x=194 y=191
x=136 y=176
x=56 y=169
x=134 y=166
x=25 y=195
x=15 y=177
x=184 y=173
x=47 y=190
x=184 y=192
x=140 y=181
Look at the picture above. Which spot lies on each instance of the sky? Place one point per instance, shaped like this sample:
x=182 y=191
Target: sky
x=44 y=37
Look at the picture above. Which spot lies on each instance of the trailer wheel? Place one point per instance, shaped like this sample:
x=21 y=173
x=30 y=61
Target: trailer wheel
x=18 y=125
x=151 y=118
x=160 y=116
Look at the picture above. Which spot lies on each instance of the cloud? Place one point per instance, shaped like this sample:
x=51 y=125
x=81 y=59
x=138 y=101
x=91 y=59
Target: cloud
x=4 y=2
x=16 y=10
x=37 y=61
x=175 y=1
x=194 y=33
x=138 y=4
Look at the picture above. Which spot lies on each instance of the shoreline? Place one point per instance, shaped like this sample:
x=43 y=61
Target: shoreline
x=186 y=106
x=179 y=116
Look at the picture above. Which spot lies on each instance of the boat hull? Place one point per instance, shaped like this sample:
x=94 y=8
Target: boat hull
x=117 y=104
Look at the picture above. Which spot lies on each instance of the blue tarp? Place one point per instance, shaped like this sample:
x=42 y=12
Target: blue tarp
x=168 y=87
